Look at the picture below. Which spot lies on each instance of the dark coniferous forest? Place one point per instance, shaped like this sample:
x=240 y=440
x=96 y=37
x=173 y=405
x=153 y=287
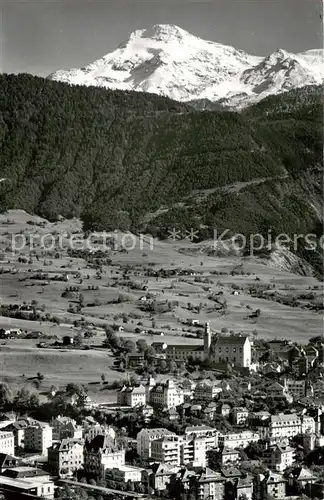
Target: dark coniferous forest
x=114 y=157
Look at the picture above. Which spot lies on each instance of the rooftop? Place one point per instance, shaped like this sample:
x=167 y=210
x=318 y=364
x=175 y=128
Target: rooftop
x=235 y=340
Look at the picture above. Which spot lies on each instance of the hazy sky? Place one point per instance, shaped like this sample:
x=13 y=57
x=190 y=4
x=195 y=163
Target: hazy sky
x=39 y=36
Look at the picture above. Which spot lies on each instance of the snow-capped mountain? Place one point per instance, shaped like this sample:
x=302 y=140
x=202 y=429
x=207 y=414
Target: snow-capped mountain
x=169 y=61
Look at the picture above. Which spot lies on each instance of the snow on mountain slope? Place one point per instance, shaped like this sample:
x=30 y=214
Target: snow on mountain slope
x=169 y=61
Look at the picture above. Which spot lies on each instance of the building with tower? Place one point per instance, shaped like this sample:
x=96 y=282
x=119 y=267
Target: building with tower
x=235 y=349
x=207 y=341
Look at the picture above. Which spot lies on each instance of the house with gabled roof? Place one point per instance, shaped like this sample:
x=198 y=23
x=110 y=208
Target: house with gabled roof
x=8 y=461
x=66 y=456
x=158 y=475
x=279 y=456
x=131 y=396
x=300 y=477
x=208 y=484
x=269 y=484
x=102 y=453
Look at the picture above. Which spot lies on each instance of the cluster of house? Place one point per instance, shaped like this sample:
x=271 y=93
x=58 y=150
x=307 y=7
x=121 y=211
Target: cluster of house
x=170 y=459
x=207 y=460
x=201 y=395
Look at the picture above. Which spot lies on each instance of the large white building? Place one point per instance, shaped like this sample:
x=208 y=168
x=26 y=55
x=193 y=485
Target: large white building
x=145 y=438
x=235 y=349
x=131 y=396
x=167 y=395
x=65 y=457
x=166 y=447
x=91 y=431
x=286 y=425
x=166 y=450
x=181 y=450
x=279 y=457
x=7 y=443
x=124 y=473
x=210 y=434
x=237 y=440
x=193 y=451
x=102 y=453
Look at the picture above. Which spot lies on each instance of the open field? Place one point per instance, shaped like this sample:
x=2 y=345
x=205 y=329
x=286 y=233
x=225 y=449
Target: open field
x=109 y=299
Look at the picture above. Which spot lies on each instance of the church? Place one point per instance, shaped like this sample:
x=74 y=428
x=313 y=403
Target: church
x=234 y=349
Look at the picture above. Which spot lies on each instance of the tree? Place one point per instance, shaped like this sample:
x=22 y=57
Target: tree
x=163 y=365
x=78 y=340
x=129 y=346
x=130 y=486
x=26 y=400
x=172 y=365
x=6 y=395
x=139 y=488
x=141 y=345
x=150 y=352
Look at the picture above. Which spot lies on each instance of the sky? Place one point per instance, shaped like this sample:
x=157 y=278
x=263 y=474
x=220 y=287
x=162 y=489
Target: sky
x=40 y=36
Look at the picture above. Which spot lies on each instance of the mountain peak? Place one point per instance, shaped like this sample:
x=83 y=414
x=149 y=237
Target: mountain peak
x=167 y=60
x=164 y=32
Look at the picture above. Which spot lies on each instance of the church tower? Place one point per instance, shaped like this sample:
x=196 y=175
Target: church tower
x=207 y=341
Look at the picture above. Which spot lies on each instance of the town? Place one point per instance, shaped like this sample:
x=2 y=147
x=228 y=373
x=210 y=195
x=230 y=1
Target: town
x=156 y=373
x=250 y=429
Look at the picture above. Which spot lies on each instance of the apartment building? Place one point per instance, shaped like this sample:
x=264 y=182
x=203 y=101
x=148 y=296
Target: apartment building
x=102 y=453
x=210 y=434
x=166 y=450
x=131 y=396
x=278 y=457
x=66 y=457
x=91 y=431
x=237 y=440
x=7 y=443
x=65 y=428
x=297 y=388
x=146 y=437
x=230 y=456
x=193 y=451
x=123 y=474
x=240 y=415
x=30 y=480
x=208 y=484
x=18 y=430
x=286 y=425
x=269 y=485
x=166 y=395
x=183 y=352
x=207 y=391
x=38 y=437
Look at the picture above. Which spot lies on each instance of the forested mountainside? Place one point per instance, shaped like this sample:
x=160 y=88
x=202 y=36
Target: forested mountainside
x=112 y=157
